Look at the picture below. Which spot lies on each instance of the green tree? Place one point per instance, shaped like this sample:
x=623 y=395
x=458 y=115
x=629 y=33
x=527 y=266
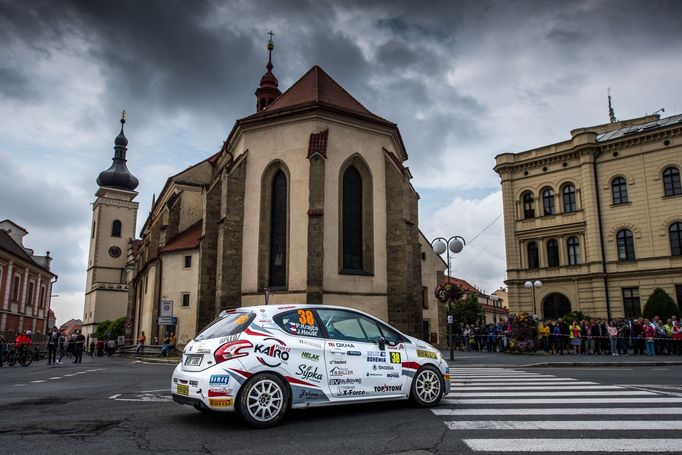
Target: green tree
x=110 y=329
x=660 y=304
x=467 y=309
x=575 y=316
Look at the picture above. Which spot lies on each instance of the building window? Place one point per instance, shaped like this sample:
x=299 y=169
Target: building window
x=619 y=191
x=552 y=253
x=352 y=219
x=569 y=199
x=41 y=298
x=528 y=205
x=425 y=297
x=278 y=232
x=185 y=299
x=626 y=245
x=92 y=234
x=15 y=288
x=423 y=256
x=188 y=262
x=116 y=228
x=29 y=297
x=533 y=257
x=678 y=293
x=631 y=306
x=573 y=251
x=548 y=201
x=671 y=181
x=676 y=239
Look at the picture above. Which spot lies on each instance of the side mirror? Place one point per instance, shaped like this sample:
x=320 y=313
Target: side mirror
x=382 y=343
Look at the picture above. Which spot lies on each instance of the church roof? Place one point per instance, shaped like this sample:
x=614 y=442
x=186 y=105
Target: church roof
x=186 y=240
x=317 y=88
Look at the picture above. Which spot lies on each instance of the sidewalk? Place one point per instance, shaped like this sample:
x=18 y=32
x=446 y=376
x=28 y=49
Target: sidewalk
x=501 y=359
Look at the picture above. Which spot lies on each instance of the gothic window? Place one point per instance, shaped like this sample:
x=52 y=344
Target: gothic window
x=528 y=205
x=569 y=198
x=671 y=181
x=533 y=256
x=552 y=253
x=116 y=228
x=676 y=239
x=626 y=245
x=548 y=201
x=352 y=219
x=573 y=251
x=278 y=231
x=619 y=191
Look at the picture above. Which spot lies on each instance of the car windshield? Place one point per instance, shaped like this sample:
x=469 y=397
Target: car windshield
x=225 y=325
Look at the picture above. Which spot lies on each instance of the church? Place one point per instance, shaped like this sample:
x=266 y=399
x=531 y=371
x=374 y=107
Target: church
x=308 y=201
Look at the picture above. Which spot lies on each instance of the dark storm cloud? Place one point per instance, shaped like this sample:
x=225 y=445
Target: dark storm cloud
x=14 y=84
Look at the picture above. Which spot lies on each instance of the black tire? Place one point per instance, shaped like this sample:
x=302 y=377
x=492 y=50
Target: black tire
x=428 y=387
x=263 y=401
x=26 y=359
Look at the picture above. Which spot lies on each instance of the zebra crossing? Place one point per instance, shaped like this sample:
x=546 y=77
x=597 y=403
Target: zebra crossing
x=510 y=410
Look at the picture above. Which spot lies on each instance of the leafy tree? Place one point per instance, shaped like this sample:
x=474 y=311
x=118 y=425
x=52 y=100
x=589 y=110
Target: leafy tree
x=575 y=316
x=467 y=309
x=660 y=304
x=110 y=329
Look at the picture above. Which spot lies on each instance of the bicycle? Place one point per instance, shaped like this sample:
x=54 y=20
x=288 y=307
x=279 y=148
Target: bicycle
x=22 y=356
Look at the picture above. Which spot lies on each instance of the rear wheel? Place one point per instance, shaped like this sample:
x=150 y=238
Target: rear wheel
x=427 y=387
x=263 y=401
x=26 y=359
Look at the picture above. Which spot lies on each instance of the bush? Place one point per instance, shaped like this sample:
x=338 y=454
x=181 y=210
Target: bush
x=110 y=329
x=660 y=304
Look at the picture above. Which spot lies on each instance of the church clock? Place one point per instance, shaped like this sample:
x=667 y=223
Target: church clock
x=114 y=251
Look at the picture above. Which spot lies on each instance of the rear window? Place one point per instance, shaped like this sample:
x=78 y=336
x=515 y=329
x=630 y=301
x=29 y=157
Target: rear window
x=229 y=324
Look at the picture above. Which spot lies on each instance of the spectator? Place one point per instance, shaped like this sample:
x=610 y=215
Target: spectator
x=613 y=337
x=544 y=336
x=576 y=341
x=62 y=347
x=172 y=342
x=79 y=346
x=3 y=349
x=111 y=347
x=139 y=349
x=52 y=345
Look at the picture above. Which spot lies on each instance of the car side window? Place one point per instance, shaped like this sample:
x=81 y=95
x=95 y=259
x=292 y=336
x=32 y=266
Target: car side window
x=299 y=322
x=349 y=326
x=390 y=335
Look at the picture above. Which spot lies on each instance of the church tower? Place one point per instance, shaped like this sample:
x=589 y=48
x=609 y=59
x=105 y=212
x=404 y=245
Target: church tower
x=268 y=91
x=114 y=214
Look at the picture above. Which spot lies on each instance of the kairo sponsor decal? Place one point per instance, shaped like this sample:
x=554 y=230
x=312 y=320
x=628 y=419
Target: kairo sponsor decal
x=388 y=388
x=309 y=356
x=219 y=392
x=376 y=356
x=395 y=357
x=345 y=381
x=350 y=392
x=339 y=371
x=277 y=351
x=336 y=344
x=219 y=379
x=383 y=367
x=220 y=403
x=426 y=354
x=309 y=395
x=306 y=372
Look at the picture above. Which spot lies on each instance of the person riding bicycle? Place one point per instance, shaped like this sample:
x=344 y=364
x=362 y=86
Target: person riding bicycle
x=23 y=339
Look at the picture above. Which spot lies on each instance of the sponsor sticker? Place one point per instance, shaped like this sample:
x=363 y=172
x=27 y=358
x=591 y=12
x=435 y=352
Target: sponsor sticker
x=337 y=362
x=388 y=388
x=219 y=392
x=340 y=371
x=382 y=367
x=395 y=357
x=376 y=356
x=393 y=375
x=219 y=379
x=426 y=354
x=350 y=392
x=277 y=351
x=310 y=356
x=220 y=403
x=345 y=381
x=376 y=375
x=229 y=338
x=338 y=344
x=309 y=395
x=307 y=373
x=310 y=343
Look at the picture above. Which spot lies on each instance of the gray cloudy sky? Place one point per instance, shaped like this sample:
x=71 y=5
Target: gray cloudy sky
x=463 y=80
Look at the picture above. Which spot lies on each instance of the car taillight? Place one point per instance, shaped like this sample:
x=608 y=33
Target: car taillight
x=232 y=350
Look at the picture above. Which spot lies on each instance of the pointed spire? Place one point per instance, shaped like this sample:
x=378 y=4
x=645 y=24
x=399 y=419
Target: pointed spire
x=268 y=90
x=612 y=115
x=118 y=175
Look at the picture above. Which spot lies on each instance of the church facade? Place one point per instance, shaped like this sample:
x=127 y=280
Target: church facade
x=308 y=201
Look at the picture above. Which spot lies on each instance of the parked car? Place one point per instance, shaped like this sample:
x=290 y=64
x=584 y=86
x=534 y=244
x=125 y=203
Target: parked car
x=260 y=361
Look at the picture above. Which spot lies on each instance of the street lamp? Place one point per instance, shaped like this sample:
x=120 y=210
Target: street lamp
x=453 y=245
x=532 y=285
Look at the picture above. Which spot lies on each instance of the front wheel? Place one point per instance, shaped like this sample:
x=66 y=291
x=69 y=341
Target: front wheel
x=427 y=387
x=263 y=401
x=26 y=359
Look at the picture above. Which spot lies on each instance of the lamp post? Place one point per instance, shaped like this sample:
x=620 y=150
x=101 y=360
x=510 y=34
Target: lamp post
x=532 y=285
x=441 y=245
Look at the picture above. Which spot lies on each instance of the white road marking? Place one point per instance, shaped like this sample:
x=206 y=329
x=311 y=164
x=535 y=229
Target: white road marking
x=69 y=375
x=527 y=379
x=37 y=381
x=465 y=388
x=497 y=384
x=574 y=445
x=583 y=425
x=55 y=377
x=505 y=394
x=113 y=397
x=499 y=401
x=557 y=411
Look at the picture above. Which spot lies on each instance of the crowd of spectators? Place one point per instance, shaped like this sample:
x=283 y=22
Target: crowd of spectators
x=614 y=337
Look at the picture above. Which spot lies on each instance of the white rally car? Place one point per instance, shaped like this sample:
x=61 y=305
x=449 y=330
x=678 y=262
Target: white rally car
x=259 y=361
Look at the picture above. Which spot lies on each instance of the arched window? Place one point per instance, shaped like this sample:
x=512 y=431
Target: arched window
x=671 y=181
x=569 y=198
x=573 y=250
x=626 y=245
x=675 y=239
x=552 y=253
x=352 y=219
x=278 y=231
x=533 y=257
x=116 y=228
x=548 y=201
x=619 y=190
x=528 y=205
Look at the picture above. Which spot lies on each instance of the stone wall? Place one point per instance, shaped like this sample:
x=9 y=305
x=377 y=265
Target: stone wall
x=206 y=302
x=315 y=231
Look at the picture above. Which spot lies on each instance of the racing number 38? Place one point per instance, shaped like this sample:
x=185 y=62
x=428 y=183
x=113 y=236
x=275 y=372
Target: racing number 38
x=306 y=317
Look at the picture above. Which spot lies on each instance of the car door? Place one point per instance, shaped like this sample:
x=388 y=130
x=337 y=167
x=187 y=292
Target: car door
x=356 y=365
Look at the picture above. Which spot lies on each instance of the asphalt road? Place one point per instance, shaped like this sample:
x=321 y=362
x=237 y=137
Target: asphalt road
x=120 y=406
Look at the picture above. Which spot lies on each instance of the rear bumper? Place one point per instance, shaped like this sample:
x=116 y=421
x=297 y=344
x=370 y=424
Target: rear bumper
x=195 y=402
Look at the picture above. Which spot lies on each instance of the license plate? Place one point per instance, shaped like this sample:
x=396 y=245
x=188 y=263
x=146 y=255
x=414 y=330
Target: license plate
x=183 y=389
x=193 y=360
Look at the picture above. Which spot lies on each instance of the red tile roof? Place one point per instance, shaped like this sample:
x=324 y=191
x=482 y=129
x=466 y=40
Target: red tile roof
x=186 y=240
x=318 y=143
x=461 y=283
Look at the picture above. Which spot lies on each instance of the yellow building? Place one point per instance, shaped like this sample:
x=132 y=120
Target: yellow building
x=597 y=219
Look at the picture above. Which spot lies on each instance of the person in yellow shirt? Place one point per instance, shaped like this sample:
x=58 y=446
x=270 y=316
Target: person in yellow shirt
x=543 y=331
